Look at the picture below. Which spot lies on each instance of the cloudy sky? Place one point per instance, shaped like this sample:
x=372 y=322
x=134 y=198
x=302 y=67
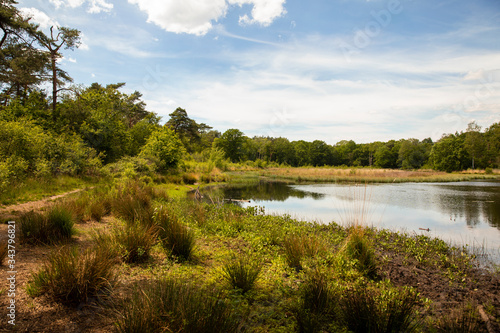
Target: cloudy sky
x=320 y=69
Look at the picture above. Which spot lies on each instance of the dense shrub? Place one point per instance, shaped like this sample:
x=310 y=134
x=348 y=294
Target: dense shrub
x=165 y=146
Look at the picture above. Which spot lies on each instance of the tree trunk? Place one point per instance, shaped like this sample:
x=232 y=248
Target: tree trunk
x=54 y=84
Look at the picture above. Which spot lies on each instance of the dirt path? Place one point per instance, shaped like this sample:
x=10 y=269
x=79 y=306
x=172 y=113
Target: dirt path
x=13 y=211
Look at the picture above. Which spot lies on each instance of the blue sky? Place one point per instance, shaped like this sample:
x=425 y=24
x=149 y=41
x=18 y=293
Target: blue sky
x=323 y=69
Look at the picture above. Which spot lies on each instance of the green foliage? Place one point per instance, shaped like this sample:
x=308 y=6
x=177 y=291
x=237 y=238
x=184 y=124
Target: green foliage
x=413 y=154
x=317 y=304
x=132 y=202
x=242 y=272
x=26 y=149
x=54 y=226
x=449 y=154
x=73 y=276
x=165 y=146
x=174 y=306
x=231 y=142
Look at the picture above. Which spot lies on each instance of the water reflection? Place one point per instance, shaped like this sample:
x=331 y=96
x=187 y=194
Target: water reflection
x=263 y=191
x=465 y=212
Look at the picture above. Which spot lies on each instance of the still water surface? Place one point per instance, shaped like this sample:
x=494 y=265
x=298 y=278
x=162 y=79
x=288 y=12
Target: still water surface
x=460 y=213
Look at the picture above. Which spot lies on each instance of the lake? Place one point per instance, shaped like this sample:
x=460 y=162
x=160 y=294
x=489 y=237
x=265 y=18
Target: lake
x=460 y=213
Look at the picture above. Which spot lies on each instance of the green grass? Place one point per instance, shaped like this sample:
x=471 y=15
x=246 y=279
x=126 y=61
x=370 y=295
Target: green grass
x=380 y=309
x=278 y=274
x=132 y=242
x=32 y=189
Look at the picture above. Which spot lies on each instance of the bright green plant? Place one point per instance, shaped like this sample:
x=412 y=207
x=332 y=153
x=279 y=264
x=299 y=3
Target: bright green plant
x=165 y=146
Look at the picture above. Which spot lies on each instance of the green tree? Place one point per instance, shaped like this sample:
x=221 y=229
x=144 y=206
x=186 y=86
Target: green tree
x=492 y=136
x=302 y=152
x=22 y=66
x=320 y=153
x=64 y=37
x=165 y=146
x=413 y=154
x=188 y=130
x=475 y=144
x=231 y=142
x=448 y=154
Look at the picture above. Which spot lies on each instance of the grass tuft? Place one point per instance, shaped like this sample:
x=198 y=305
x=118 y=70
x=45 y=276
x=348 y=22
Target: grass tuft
x=73 y=276
x=366 y=309
x=173 y=306
x=241 y=273
x=174 y=236
x=55 y=226
x=358 y=248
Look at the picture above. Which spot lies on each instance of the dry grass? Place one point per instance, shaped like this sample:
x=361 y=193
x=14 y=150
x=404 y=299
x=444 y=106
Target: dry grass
x=370 y=175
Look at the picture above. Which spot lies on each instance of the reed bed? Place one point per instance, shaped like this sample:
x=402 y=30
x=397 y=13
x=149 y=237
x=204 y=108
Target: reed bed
x=369 y=175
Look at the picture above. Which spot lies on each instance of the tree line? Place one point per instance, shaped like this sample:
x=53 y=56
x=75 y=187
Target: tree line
x=77 y=130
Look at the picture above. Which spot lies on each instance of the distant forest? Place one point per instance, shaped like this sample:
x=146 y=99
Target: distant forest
x=75 y=130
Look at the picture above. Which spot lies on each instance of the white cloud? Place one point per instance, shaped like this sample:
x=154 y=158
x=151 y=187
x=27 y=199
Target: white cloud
x=264 y=12
x=197 y=16
x=183 y=16
x=97 y=6
x=94 y=6
x=38 y=17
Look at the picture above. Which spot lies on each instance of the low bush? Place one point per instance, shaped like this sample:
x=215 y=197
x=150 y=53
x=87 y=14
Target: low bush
x=61 y=221
x=173 y=306
x=242 y=273
x=73 y=276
